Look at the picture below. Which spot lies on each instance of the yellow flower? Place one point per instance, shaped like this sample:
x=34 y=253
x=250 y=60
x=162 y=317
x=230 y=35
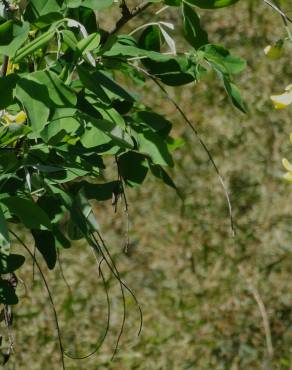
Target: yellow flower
x=282 y=101
x=274 y=52
x=19 y=118
x=288 y=166
x=11 y=68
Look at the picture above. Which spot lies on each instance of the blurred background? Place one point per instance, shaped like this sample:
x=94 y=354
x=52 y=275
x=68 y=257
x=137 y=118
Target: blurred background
x=209 y=300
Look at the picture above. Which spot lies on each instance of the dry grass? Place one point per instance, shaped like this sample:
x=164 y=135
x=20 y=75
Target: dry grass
x=199 y=288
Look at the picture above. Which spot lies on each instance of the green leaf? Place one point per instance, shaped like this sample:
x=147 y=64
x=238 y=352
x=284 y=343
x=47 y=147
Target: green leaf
x=92 y=4
x=40 y=90
x=173 y=2
x=34 y=97
x=69 y=39
x=36 y=44
x=155 y=121
x=89 y=43
x=133 y=168
x=193 y=31
x=100 y=192
x=38 y=8
x=6 y=32
x=7 y=85
x=234 y=93
x=54 y=208
x=19 y=33
x=48 y=19
x=11 y=263
x=91 y=84
x=222 y=60
x=28 y=212
x=94 y=137
x=7 y=293
x=126 y=48
x=60 y=239
x=98 y=128
x=151 y=144
x=161 y=174
x=59 y=94
x=11 y=133
x=64 y=121
x=211 y=4
x=45 y=243
x=82 y=221
x=110 y=86
x=150 y=39
x=171 y=70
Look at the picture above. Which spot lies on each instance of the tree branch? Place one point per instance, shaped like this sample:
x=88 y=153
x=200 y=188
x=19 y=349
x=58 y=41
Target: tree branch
x=285 y=19
x=278 y=10
x=127 y=15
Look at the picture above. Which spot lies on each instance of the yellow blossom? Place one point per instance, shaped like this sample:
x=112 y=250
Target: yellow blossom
x=274 y=52
x=282 y=101
x=11 y=68
x=288 y=167
x=19 y=118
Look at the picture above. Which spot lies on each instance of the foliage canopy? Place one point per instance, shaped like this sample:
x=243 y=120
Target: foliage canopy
x=65 y=113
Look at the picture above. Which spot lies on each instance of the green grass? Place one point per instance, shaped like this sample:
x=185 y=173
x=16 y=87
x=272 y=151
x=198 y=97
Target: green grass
x=197 y=285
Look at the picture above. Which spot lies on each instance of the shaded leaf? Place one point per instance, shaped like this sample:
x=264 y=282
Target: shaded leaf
x=11 y=263
x=45 y=243
x=193 y=31
x=7 y=293
x=28 y=212
x=133 y=168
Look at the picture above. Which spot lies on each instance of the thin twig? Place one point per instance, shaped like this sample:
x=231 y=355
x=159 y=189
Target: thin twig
x=278 y=10
x=7 y=316
x=116 y=274
x=102 y=340
x=49 y=295
x=265 y=318
x=285 y=21
x=62 y=272
x=263 y=312
x=114 y=270
x=201 y=141
x=125 y=199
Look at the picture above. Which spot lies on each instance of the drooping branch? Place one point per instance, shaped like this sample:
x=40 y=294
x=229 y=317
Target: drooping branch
x=201 y=141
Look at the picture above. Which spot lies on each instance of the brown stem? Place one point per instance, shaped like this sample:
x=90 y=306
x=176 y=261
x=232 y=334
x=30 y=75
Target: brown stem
x=278 y=10
x=128 y=15
x=4 y=66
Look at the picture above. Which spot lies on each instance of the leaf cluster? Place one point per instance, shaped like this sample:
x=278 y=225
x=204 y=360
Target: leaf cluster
x=61 y=72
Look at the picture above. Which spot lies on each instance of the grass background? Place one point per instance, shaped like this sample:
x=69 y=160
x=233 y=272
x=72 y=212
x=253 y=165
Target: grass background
x=209 y=301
